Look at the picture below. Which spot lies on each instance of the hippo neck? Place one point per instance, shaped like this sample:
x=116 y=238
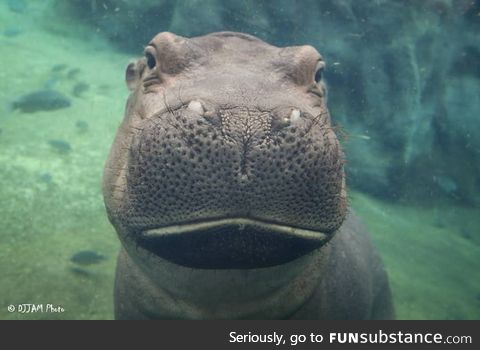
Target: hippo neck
x=181 y=292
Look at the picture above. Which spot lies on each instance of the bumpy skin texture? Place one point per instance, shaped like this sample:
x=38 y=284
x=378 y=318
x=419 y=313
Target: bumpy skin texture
x=225 y=184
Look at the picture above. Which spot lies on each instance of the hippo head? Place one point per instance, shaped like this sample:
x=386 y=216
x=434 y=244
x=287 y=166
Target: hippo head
x=226 y=157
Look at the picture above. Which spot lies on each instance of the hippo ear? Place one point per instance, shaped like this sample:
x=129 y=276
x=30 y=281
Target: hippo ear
x=132 y=74
x=299 y=63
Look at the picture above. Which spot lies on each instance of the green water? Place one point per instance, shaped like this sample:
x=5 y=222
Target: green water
x=51 y=204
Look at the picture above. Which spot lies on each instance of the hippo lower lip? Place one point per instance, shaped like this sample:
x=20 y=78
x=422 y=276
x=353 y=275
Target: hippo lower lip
x=231 y=243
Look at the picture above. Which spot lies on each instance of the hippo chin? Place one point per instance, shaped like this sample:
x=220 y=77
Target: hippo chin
x=225 y=184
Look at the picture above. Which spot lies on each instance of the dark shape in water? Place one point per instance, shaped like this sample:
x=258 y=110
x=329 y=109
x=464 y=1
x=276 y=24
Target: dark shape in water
x=18 y=6
x=60 y=145
x=79 y=89
x=73 y=73
x=80 y=271
x=41 y=100
x=12 y=31
x=46 y=177
x=82 y=126
x=59 y=67
x=87 y=257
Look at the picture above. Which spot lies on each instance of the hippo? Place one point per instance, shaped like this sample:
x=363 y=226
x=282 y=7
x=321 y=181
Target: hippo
x=226 y=186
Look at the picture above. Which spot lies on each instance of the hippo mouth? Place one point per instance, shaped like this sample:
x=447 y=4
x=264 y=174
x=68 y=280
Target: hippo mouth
x=231 y=243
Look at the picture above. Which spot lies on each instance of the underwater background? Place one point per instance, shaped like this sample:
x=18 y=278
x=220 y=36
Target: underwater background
x=404 y=93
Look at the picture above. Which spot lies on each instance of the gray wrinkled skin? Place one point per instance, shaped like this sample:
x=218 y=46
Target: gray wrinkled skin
x=225 y=184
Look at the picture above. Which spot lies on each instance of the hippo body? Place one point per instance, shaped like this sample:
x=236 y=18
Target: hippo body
x=225 y=184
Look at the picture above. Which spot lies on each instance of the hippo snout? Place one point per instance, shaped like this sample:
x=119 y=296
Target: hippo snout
x=268 y=169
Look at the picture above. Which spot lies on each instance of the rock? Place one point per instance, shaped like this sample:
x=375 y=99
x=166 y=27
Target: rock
x=81 y=126
x=79 y=89
x=41 y=100
x=73 y=73
x=87 y=257
x=61 y=146
x=46 y=177
x=59 y=67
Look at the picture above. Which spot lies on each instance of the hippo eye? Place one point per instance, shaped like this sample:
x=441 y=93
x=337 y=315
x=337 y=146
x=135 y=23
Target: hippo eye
x=151 y=62
x=319 y=71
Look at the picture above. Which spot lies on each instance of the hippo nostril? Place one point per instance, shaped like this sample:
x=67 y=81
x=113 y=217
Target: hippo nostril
x=284 y=118
x=196 y=106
